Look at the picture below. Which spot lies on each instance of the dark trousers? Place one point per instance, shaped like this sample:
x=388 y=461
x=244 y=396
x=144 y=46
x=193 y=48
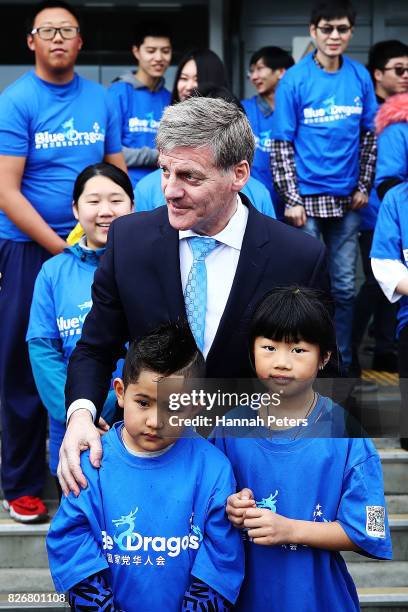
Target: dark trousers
x=23 y=415
x=403 y=373
x=371 y=302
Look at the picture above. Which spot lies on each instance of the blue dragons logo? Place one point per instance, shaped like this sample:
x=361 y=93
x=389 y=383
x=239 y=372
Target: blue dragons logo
x=268 y=502
x=122 y=535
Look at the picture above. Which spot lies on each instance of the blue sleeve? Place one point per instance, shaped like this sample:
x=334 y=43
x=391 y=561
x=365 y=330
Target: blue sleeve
x=74 y=540
x=370 y=105
x=148 y=192
x=113 y=141
x=285 y=116
x=50 y=374
x=260 y=197
x=14 y=127
x=43 y=323
x=93 y=593
x=220 y=561
x=392 y=159
x=362 y=512
x=387 y=234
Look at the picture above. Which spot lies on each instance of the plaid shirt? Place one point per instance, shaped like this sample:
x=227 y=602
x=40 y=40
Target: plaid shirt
x=320 y=205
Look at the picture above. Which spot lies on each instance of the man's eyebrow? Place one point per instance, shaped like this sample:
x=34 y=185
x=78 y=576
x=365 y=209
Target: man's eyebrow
x=142 y=395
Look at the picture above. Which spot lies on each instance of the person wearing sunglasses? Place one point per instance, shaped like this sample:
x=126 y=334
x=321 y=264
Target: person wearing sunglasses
x=388 y=66
x=53 y=123
x=323 y=150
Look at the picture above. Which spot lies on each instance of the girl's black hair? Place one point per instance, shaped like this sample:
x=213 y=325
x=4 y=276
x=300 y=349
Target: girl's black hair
x=110 y=171
x=292 y=314
x=210 y=69
x=168 y=349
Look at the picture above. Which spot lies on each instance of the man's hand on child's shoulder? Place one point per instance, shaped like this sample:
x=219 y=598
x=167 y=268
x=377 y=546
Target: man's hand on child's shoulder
x=237 y=505
x=267 y=528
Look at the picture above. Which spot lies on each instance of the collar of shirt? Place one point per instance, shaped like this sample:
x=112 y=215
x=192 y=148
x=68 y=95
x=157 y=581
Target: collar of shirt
x=263 y=106
x=233 y=233
x=320 y=65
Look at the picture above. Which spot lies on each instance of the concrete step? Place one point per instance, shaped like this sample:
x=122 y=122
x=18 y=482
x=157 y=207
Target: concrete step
x=14 y=580
x=379 y=574
x=386 y=443
x=397 y=504
x=395 y=470
x=381 y=599
x=399 y=535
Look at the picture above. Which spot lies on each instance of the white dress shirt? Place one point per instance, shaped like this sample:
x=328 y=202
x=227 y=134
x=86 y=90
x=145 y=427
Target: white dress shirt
x=221 y=266
x=388 y=273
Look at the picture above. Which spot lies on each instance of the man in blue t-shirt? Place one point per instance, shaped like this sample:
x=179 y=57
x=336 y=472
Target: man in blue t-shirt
x=53 y=123
x=140 y=98
x=388 y=66
x=266 y=68
x=323 y=150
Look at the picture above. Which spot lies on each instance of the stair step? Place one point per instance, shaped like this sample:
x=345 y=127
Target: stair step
x=399 y=535
x=386 y=443
x=30 y=580
x=379 y=574
x=395 y=470
x=397 y=504
x=380 y=599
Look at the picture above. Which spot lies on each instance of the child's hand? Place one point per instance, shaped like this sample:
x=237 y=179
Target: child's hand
x=237 y=504
x=267 y=528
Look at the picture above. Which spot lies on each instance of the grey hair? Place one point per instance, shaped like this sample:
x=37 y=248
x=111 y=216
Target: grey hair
x=208 y=122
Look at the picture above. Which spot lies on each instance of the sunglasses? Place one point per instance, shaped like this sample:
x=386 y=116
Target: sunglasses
x=329 y=29
x=399 y=70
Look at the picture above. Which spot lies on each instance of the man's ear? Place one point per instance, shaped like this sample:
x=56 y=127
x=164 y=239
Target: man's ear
x=241 y=175
x=30 y=42
x=281 y=72
x=75 y=210
x=119 y=389
x=135 y=52
x=312 y=31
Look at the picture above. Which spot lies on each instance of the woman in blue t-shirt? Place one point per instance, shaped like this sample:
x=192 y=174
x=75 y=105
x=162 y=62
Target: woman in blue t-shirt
x=62 y=293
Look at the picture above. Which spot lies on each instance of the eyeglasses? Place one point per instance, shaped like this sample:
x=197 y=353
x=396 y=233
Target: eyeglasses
x=399 y=70
x=48 y=33
x=342 y=30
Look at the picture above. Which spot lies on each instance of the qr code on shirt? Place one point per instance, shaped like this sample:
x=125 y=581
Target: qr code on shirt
x=375 y=525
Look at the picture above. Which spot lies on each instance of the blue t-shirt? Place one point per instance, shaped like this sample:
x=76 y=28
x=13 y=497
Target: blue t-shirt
x=391 y=237
x=140 y=111
x=62 y=299
x=151 y=523
x=59 y=129
x=61 y=302
x=149 y=194
x=392 y=159
x=312 y=479
x=261 y=166
x=369 y=213
x=322 y=113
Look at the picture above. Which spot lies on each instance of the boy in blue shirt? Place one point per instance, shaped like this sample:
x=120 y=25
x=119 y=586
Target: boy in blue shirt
x=150 y=531
x=53 y=123
x=140 y=98
x=323 y=150
x=266 y=68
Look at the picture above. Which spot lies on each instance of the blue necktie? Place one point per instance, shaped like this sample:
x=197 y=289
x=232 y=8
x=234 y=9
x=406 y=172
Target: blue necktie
x=195 y=293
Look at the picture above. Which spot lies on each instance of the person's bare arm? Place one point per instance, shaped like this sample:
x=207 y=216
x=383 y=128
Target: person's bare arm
x=266 y=528
x=117 y=159
x=19 y=210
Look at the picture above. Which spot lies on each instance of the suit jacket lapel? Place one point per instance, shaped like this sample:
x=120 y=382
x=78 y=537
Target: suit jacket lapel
x=251 y=264
x=167 y=267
